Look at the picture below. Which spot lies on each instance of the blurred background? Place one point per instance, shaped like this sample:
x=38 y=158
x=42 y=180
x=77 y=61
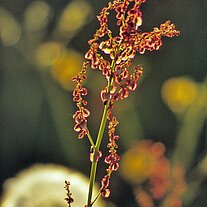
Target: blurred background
x=42 y=45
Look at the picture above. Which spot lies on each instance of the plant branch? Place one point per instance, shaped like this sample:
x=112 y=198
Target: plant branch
x=90 y=139
x=99 y=138
x=94 y=156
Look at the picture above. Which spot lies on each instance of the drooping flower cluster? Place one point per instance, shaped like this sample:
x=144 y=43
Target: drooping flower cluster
x=82 y=113
x=122 y=49
x=113 y=55
x=69 y=198
x=112 y=159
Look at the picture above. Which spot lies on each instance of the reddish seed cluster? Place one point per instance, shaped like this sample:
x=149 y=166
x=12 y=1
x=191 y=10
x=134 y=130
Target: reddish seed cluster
x=82 y=113
x=113 y=55
x=122 y=49
x=153 y=40
x=112 y=159
x=69 y=199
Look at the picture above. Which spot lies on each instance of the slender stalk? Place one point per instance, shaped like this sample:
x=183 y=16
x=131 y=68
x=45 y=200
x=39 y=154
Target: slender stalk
x=96 y=149
x=99 y=139
x=91 y=182
x=90 y=140
x=102 y=128
x=96 y=198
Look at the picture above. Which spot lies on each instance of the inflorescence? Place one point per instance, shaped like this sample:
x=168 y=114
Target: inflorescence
x=113 y=55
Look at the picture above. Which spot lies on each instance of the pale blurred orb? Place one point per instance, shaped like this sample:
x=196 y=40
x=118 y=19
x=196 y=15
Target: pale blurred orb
x=43 y=185
x=10 y=31
x=37 y=15
x=74 y=16
x=64 y=63
x=179 y=93
x=138 y=162
x=67 y=65
x=48 y=53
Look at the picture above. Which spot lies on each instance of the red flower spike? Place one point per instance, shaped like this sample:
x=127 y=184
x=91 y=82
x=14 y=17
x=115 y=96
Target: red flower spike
x=81 y=115
x=113 y=57
x=113 y=158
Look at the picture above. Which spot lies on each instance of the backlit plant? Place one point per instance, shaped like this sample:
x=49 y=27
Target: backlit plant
x=113 y=55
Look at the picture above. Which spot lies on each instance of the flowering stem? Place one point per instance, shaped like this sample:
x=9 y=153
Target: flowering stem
x=96 y=149
x=102 y=127
x=121 y=50
x=99 y=140
x=90 y=140
x=91 y=182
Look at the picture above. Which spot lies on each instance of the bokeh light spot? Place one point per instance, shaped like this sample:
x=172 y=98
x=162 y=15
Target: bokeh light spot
x=68 y=64
x=74 y=16
x=48 y=53
x=37 y=15
x=43 y=185
x=10 y=31
x=179 y=93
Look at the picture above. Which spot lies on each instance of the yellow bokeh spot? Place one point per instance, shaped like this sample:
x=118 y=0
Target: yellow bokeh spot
x=37 y=15
x=67 y=65
x=74 y=16
x=64 y=63
x=10 y=31
x=48 y=53
x=179 y=93
x=136 y=165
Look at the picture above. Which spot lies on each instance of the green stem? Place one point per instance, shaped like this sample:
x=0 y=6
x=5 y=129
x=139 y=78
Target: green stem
x=91 y=182
x=96 y=198
x=99 y=138
x=90 y=140
x=102 y=127
x=96 y=149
